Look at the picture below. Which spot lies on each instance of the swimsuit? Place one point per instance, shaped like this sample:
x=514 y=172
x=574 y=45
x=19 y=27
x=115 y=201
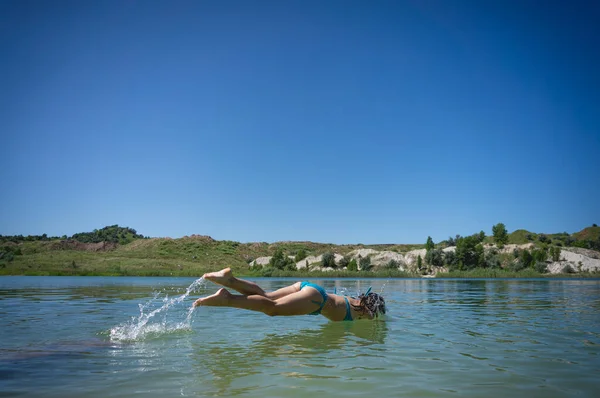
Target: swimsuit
x=304 y=284
x=320 y=290
x=348 y=316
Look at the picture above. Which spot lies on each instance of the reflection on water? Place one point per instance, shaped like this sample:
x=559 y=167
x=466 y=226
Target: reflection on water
x=539 y=338
x=334 y=340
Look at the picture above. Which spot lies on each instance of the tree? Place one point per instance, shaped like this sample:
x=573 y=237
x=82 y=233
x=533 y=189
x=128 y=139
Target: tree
x=279 y=260
x=481 y=236
x=429 y=245
x=419 y=262
x=469 y=253
x=500 y=234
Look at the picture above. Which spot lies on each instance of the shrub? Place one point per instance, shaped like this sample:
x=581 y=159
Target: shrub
x=569 y=240
x=300 y=255
x=450 y=259
x=280 y=261
x=492 y=260
x=352 y=265
x=517 y=265
x=392 y=264
x=343 y=263
x=365 y=263
x=567 y=269
x=541 y=267
x=526 y=259
x=435 y=257
x=555 y=253
x=539 y=255
x=529 y=237
x=328 y=260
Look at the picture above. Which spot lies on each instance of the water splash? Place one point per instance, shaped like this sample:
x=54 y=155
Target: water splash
x=154 y=322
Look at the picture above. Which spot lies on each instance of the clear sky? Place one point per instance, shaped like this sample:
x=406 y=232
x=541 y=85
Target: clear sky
x=330 y=121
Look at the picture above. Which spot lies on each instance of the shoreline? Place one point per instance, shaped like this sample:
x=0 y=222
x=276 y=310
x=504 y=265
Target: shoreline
x=481 y=273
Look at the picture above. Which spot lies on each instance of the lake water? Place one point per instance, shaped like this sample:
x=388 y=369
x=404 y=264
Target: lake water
x=94 y=337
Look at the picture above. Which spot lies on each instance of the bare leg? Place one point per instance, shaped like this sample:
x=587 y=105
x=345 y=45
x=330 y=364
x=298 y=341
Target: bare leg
x=299 y=303
x=225 y=278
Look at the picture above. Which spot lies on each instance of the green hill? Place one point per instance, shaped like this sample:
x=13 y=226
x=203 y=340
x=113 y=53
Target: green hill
x=115 y=250
x=589 y=233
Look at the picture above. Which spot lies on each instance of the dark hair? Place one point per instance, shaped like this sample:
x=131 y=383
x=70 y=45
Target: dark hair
x=371 y=303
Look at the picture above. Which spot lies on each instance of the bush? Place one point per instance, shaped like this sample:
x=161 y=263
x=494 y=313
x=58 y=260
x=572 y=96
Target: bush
x=539 y=255
x=450 y=260
x=352 y=265
x=567 y=269
x=328 y=260
x=529 y=237
x=365 y=263
x=392 y=264
x=300 y=255
x=526 y=259
x=517 y=265
x=492 y=260
x=435 y=257
x=344 y=261
x=280 y=261
x=541 y=267
x=7 y=256
x=555 y=253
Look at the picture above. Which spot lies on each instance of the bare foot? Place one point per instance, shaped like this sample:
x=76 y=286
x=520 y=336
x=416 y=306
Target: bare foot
x=219 y=299
x=223 y=277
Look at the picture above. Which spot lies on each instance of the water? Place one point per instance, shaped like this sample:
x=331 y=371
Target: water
x=118 y=337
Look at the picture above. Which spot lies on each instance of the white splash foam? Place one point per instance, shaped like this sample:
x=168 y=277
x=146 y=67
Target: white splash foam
x=150 y=324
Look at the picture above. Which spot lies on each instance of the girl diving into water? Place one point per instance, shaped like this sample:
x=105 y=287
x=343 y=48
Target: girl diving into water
x=301 y=298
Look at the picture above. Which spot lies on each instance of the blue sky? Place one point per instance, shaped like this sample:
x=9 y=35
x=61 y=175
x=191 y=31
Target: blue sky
x=330 y=121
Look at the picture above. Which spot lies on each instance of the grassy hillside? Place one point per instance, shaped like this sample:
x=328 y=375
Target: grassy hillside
x=589 y=233
x=188 y=256
x=131 y=254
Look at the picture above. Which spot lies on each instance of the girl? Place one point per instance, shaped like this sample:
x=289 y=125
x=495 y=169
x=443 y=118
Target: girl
x=301 y=298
